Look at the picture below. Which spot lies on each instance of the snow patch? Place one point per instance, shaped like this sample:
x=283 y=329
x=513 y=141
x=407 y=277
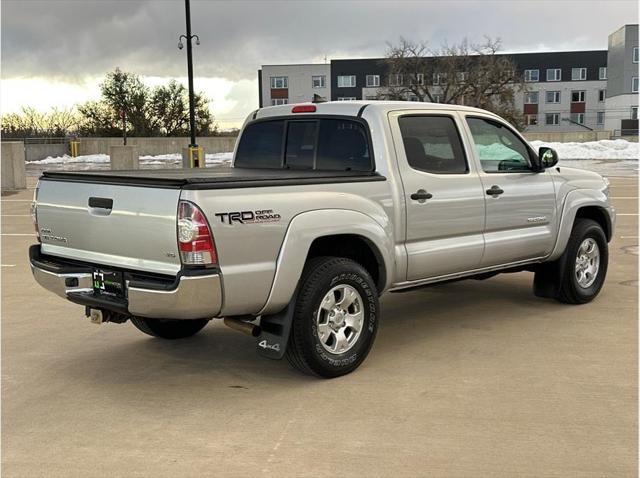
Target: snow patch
x=214 y=158
x=603 y=149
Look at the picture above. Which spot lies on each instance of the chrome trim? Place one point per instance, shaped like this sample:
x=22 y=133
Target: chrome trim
x=196 y=297
x=56 y=282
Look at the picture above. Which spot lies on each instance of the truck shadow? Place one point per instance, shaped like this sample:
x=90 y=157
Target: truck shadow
x=219 y=358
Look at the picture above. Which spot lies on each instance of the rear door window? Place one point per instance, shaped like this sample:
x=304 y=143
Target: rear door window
x=324 y=144
x=432 y=144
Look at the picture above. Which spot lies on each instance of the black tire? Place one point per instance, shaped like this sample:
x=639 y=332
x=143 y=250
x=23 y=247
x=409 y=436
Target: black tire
x=570 y=290
x=305 y=350
x=169 y=329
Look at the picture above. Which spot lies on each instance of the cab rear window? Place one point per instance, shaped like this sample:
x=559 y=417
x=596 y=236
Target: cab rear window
x=321 y=144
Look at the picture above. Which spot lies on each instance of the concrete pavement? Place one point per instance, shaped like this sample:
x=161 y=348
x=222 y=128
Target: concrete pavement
x=469 y=379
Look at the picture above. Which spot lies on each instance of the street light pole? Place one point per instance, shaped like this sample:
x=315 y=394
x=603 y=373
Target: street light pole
x=188 y=37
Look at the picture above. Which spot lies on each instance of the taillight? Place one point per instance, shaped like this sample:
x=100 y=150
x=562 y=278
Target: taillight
x=195 y=240
x=34 y=211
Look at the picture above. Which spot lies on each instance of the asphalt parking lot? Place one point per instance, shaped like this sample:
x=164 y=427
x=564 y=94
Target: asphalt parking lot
x=469 y=379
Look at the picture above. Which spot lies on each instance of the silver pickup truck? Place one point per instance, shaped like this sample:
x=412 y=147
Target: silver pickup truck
x=326 y=207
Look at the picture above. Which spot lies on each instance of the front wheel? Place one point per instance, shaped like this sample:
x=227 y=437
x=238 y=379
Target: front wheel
x=335 y=319
x=586 y=262
x=169 y=328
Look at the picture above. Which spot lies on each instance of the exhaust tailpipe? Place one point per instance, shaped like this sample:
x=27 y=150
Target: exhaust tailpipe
x=242 y=326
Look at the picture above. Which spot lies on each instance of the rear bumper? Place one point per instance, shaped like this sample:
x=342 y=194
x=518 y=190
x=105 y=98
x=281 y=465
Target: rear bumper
x=193 y=294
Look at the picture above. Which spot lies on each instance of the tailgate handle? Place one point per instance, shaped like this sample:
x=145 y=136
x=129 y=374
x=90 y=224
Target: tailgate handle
x=103 y=203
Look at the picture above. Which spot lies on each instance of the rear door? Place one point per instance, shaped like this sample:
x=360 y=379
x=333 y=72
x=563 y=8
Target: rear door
x=521 y=217
x=443 y=194
x=124 y=226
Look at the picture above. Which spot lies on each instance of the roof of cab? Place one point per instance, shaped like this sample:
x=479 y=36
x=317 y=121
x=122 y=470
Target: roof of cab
x=352 y=108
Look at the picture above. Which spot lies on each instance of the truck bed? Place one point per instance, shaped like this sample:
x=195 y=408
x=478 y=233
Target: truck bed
x=212 y=178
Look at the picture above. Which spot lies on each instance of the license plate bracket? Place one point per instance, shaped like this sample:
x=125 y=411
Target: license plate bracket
x=108 y=282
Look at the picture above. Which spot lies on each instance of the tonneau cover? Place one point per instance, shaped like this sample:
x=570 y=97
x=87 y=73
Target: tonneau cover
x=213 y=178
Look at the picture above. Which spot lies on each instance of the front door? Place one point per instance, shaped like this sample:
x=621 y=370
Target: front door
x=443 y=194
x=521 y=216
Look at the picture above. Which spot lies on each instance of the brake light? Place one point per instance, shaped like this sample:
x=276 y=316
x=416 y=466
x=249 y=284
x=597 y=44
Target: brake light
x=195 y=240
x=304 y=109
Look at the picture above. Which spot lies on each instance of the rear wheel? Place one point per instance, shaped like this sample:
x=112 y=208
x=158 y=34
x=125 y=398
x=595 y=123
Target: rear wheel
x=169 y=328
x=335 y=319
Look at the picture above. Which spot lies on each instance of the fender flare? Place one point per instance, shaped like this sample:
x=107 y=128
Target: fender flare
x=309 y=226
x=574 y=200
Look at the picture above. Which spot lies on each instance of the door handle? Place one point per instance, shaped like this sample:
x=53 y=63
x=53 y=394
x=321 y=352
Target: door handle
x=494 y=191
x=103 y=203
x=421 y=195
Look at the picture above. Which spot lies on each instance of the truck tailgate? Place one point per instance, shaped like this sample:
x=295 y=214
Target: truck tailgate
x=126 y=226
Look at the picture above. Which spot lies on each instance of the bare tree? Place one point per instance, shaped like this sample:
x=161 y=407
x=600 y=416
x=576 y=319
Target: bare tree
x=470 y=74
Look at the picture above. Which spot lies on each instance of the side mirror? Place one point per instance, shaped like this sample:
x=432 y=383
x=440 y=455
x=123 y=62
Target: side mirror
x=548 y=157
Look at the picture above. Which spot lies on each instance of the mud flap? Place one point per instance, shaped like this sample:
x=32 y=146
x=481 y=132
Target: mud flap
x=272 y=341
x=548 y=278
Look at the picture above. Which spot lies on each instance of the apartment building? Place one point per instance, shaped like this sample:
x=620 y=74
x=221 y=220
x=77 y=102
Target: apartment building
x=283 y=84
x=622 y=82
x=565 y=91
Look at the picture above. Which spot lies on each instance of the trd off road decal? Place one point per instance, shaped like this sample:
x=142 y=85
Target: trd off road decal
x=248 y=217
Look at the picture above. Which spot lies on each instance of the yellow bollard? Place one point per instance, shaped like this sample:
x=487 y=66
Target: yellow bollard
x=74 y=148
x=196 y=157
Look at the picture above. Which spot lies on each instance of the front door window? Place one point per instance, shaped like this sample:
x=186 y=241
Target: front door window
x=499 y=149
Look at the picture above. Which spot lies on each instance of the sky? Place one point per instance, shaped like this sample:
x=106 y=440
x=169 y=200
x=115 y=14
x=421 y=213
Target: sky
x=56 y=52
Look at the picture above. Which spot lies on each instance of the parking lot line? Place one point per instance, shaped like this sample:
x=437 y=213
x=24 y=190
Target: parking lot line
x=16 y=234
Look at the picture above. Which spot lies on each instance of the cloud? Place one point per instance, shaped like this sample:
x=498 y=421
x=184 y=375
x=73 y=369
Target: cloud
x=66 y=46
x=76 y=39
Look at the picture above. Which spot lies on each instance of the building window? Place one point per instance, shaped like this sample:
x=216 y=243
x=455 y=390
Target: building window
x=600 y=117
x=279 y=101
x=318 y=81
x=395 y=80
x=462 y=77
x=634 y=84
x=554 y=74
x=577 y=96
x=602 y=94
x=602 y=73
x=552 y=119
x=279 y=82
x=531 y=120
x=531 y=75
x=373 y=81
x=348 y=81
x=439 y=79
x=419 y=79
x=371 y=98
x=635 y=54
x=578 y=74
x=437 y=98
x=577 y=118
x=531 y=98
x=634 y=112
x=347 y=98
x=553 y=97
